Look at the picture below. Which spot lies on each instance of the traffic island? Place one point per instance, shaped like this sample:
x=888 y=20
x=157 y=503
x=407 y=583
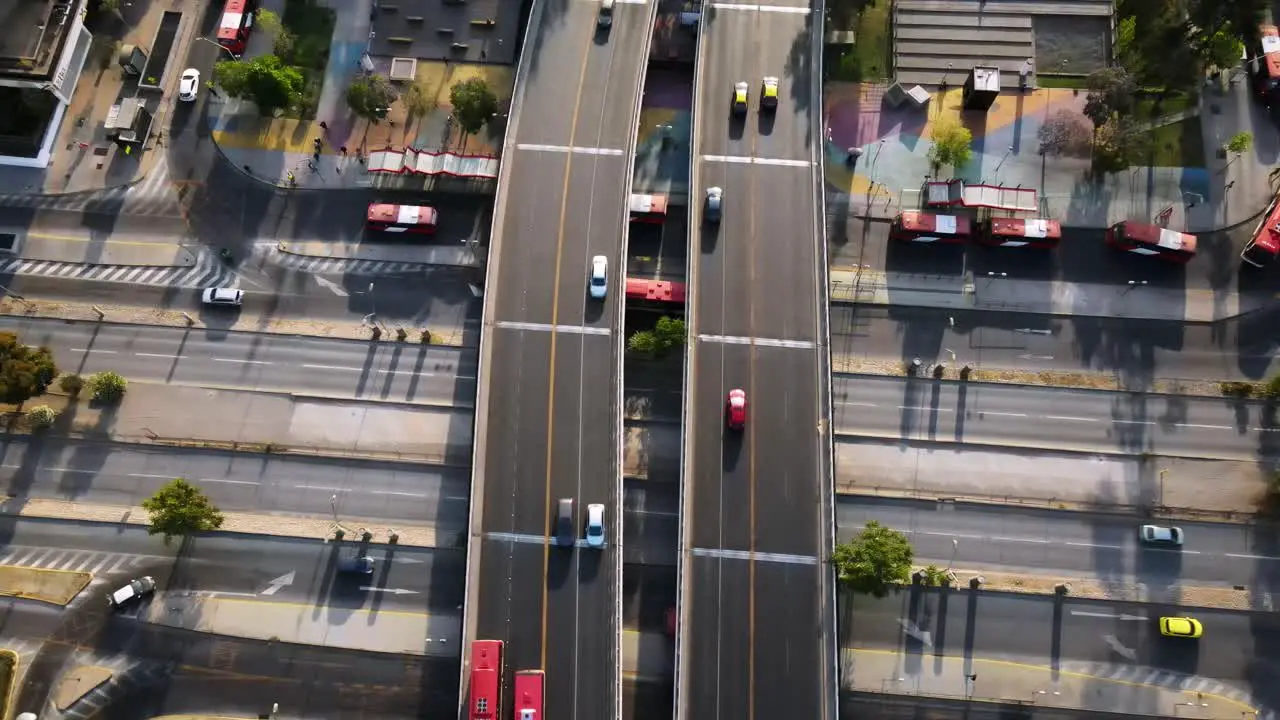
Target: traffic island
x=77 y=683
x=1218 y=598
x=8 y=679
x=56 y=587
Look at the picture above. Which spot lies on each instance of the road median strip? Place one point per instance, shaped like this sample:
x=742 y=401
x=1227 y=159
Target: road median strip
x=8 y=680
x=1217 y=598
x=56 y=587
x=235 y=522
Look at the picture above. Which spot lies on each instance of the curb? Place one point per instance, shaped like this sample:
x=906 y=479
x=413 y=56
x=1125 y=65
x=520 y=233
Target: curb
x=850 y=437
x=13 y=682
x=283 y=246
x=321 y=398
x=1056 y=388
x=850 y=493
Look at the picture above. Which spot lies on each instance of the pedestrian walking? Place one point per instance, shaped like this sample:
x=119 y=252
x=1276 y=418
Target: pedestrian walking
x=324 y=125
x=343 y=150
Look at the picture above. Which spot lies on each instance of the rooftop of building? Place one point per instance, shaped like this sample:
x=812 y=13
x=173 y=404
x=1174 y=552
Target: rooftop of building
x=32 y=33
x=470 y=31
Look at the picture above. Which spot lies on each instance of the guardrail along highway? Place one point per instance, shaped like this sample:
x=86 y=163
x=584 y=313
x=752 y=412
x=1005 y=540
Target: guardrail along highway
x=548 y=422
x=756 y=626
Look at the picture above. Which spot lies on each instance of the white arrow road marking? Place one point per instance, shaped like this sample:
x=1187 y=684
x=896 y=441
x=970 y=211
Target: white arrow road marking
x=393 y=591
x=274 y=586
x=1119 y=648
x=1084 y=613
x=913 y=630
x=331 y=286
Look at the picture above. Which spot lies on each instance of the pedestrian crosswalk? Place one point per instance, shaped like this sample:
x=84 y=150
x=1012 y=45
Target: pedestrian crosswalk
x=128 y=674
x=99 y=564
x=152 y=196
x=321 y=265
x=1207 y=688
x=207 y=272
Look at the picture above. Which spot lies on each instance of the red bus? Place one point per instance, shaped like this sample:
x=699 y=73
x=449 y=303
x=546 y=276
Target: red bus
x=655 y=291
x=528 y=695
x=1021 y=232
x=916 y=226
x=648 y=208
x=1143 y=239
x=402 y=218
x=1265 y=67
x=236 y=22
x=1265 y=243
x=485 y=701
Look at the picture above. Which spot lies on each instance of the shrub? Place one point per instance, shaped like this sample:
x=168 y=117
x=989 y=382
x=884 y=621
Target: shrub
x=41 y=416
x=1236 y=389
x=71 y=384
x=108 y=386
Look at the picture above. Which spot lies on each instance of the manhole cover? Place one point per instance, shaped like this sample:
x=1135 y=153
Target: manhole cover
x=100 y=151
x=8 y=241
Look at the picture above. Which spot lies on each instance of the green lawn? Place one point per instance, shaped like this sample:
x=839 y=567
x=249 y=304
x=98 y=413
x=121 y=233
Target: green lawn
x=869 y=58
x=1178 y=144
x=1063 y=82
x=1147 y=109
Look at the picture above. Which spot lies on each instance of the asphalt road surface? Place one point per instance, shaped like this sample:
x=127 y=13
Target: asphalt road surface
x=549 y=422
x=1136 y=350
x=1110 y=639
x=428 y=374
x=754 y=613
x=1052 y=418
x=1074 y=544
x=118 y=474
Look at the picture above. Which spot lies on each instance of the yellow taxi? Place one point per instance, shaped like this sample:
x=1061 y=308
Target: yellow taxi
x=739 y=98
x=769 y=93
x=1181 y=627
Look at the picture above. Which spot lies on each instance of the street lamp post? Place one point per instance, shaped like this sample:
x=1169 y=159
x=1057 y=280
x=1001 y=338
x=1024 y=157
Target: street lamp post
x=955 y=542
x=874 y=161
x=333 y=505
x=220 y=46
x=1000 y=164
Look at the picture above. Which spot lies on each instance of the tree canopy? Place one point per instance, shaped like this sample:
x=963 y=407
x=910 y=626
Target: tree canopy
x=179 y=509
x=1063 y=133
x=266 y=81
x=874 y=561
x=1118 y=144
x=474 y=104
x=25 y=371
x=1111 y=91
x=952 y=144
x=370 y=96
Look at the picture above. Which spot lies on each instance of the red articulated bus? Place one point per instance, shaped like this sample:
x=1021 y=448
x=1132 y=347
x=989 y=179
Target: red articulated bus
x=528 y=695
x=659 y=291
x=1265 y=243
x=923 y=227
x=402 y=218
x=1020 y=232
x=236 y=22
x=1143 y=239
x=486 y=680
x=648 y=208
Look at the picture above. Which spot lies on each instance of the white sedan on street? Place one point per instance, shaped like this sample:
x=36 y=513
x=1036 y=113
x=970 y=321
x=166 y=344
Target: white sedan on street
x=189 y=85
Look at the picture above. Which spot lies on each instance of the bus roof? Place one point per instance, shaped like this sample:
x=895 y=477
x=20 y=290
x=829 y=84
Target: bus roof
x=1026 y=227
x=916 y=221
x=232 y=18
x=1267 y=236
x=659 y=290
x=403 y=214
x=1160 y=237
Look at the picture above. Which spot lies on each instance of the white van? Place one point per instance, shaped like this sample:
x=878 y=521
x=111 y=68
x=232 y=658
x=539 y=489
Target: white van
x=606 y=13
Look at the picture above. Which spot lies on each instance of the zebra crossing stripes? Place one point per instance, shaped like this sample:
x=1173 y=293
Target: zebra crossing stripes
x=1143 y=675
x=128 y=674
x=95 y=562
x=207 y=272
x=312 y=264
x=152 y=196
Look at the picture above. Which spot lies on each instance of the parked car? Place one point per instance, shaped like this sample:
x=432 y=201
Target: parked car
x=132 y=592
x=189 y=85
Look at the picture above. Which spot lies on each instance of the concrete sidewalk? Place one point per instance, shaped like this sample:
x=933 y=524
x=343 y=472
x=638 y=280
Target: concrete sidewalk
x=387 y=631
x=647 y=656
x=74 y=249
x=1026 y=683
x=876 y=287
x=460 y=254
x=1205 y=488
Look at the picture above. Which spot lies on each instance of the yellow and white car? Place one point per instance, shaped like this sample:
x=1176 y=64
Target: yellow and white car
x=1181 y=627
x=769 y=93
x=739 y=98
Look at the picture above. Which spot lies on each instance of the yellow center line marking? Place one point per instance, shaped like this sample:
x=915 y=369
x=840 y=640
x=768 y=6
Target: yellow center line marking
x=555 y=320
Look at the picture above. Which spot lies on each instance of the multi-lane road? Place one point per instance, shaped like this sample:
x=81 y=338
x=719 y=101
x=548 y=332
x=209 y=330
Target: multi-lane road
x=124 y=475
x=921 y=409
x=755 y=610
x=1072 y=544
x=548 y=422
x=435 y=375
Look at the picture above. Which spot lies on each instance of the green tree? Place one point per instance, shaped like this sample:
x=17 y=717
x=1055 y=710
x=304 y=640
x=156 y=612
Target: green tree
x=25 y=371
x=1118 y=144
x=180 y=509
x=1064 y=134
x=474 y=104
x=1240 y=143
x=107 y=386
x=370 y=96
x=282 y=40
x=71 y=384
x=415 y=100
x=874 y=561
x=643 y=342
x=1111 y=91
x=670 y=333
x=265 y=81
x=952 y=144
